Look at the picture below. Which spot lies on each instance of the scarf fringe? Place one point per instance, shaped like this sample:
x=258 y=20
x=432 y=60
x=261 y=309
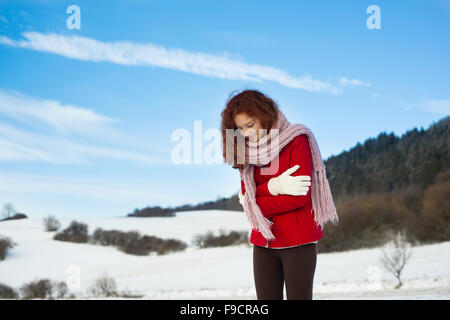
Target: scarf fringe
x=324 y=209
x=254 y=214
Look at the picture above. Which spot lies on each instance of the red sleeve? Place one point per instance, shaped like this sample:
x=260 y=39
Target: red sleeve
x=261 y=189
x=300 y=154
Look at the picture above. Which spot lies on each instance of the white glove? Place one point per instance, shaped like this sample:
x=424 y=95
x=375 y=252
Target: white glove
x=241 y=198
x=285 y=184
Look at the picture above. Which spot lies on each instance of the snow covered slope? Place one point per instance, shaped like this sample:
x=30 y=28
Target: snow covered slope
x=224 y=273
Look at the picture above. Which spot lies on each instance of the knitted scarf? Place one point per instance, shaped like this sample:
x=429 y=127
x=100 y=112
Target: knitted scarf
x=266 y=149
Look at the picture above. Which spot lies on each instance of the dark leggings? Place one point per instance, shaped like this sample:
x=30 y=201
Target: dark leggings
x=295 y=266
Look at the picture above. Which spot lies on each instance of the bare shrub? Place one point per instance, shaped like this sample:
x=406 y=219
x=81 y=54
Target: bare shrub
x=128 y=294
x=75 y=232
x=153 y=243
x=104 y=286
x=395 y=256
x=132 y=242
x=107 y=237
x=5 y=245
x=8 y=211
x=7 y=292
x=171 y=245
x=37 y=289
x=209 y=240
x=60 y=289
x=51 y=223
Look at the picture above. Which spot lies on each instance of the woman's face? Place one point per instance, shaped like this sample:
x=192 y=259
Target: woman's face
x=249 y=125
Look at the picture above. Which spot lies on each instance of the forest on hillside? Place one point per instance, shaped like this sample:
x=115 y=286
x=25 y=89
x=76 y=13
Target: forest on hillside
x=384 y=185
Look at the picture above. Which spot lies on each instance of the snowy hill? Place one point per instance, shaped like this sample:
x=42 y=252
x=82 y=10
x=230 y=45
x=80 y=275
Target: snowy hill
x=224 y=273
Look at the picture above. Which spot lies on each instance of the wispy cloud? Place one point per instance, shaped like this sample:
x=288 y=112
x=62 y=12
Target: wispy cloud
x=12 y=151
x=437 y=106
x=17 y=144
x=85 y=187
x=65 y=118
x=148 y=54
x=59 y=147
x=441 y=107
x=346 y=82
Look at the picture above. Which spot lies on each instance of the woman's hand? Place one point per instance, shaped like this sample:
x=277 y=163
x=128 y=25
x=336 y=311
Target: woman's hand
x=241 y=198
x=286 y=184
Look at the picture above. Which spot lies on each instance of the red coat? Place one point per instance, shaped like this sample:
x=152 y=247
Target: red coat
x=292 y=216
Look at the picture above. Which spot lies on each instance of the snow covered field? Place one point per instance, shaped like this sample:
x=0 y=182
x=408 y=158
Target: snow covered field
x=214 y=273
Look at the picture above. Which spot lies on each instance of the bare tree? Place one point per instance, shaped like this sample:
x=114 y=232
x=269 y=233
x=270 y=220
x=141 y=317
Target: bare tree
x=104 y=286
x=51 y=223
x=395 y=257
x=8 y=210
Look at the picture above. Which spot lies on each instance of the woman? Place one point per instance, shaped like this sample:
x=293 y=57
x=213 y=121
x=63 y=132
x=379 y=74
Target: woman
x=278 y=162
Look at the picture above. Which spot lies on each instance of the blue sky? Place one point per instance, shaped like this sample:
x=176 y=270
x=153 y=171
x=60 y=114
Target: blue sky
x=86 y=115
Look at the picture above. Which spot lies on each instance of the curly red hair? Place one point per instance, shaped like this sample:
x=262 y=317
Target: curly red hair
x=254 y=104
